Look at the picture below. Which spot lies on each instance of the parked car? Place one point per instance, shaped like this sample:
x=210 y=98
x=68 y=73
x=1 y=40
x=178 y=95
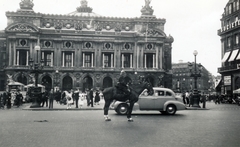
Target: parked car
x=163 y=100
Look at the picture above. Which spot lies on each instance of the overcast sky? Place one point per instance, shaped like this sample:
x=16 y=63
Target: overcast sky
x=192 y=23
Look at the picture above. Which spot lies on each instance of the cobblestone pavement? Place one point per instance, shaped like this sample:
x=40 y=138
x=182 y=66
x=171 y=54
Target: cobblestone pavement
x=57 y=106
x=218 y=126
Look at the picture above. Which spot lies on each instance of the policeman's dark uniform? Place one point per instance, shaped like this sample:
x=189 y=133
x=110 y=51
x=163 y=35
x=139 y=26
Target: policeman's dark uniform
x=122 y=89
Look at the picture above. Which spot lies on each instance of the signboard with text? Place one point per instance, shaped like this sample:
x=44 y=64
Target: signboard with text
x=227 y=80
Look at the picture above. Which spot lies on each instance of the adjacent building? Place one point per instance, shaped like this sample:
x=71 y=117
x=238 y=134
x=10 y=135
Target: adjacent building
x=182 y=81
x=83 y=49
x=229 y=33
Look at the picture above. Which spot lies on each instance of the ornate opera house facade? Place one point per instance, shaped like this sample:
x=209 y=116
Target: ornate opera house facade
x=83 y=49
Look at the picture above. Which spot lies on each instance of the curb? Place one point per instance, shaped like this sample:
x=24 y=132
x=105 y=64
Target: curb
x=192 y=108
x=59 y=109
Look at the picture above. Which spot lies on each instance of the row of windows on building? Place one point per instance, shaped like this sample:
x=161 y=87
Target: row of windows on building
x=86 y=45
x=67 y=59
x=232 y=7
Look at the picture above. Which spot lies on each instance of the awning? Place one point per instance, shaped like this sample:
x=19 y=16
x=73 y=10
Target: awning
x=238 y=57
x=234 y=54
x=236 y=91
x=32 y=85
x=16 y=83
x=225 y=57
x=218 y=83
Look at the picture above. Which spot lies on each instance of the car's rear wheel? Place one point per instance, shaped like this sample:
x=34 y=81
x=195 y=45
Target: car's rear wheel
x=171 y=110
x=122 y=109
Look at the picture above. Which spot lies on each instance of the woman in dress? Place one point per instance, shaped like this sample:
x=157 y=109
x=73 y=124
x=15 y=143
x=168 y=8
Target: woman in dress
x=69 y=99
x=97 y=98
x=81 y=98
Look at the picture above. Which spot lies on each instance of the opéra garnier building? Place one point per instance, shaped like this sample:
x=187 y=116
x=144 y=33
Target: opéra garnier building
x=83 y=49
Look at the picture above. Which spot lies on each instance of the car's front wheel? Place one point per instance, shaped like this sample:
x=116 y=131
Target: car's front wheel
x=122 y=109
x=171 y=110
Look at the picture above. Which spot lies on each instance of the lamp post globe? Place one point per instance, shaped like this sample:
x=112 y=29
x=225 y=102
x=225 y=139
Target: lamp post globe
x=195 y=52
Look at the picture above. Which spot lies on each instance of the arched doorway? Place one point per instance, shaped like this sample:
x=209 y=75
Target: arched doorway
x=47 y=82
x=87 y=83
x=22 y=79
x=67 y=83
x=107 y=82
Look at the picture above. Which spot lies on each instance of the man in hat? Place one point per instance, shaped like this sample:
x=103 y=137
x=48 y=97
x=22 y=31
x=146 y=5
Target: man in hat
x=122 y=87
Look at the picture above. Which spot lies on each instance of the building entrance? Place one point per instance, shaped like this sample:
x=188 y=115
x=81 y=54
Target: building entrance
x=47 y=82
x=107 y=82
x=87 y=83
x=22 y=79
x=67 y=83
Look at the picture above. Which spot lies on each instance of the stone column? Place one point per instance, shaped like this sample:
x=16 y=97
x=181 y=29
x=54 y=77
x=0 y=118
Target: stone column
x=83 y=59
x=161 y=57
x=17 y=58
x=72 y=60
x=63 y=59
x=103 y=60
x=14 y=53
x=111 y=60
x=92 y=60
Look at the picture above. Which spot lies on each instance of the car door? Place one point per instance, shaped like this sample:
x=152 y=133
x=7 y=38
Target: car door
x=160 y=99
x=146 y=102
x=163 y=97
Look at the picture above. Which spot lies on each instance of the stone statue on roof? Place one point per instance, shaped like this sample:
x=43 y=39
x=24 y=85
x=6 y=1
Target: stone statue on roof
x=26 y=4
x=147 y=10
x=84 y=3
x=147 y=3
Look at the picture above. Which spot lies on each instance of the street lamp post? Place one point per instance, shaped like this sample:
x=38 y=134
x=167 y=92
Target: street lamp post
x=195 y=74
x=36 y=68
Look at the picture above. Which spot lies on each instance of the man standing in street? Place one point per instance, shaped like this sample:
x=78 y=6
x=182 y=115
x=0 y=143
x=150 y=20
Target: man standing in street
x=91 y=97
x=19 y=98
x=51 y=98
x=76 y=97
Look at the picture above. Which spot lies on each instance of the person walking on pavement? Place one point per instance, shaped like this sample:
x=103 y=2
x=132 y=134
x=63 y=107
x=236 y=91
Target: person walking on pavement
x=76 y=97
x=51 y=98
x=8 y=100
x=81 y=98
x=1 y=101
x=19 y=97
x=88 y=97
x=58 y=96
x=69 y=98
x=91 y=97
x=97 y=98
x=45 y=98
x=187 y=98
x=184 y=98
x=4 y=96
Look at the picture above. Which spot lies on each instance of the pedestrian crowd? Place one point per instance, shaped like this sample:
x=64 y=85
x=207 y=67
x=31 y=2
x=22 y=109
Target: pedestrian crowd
x=45 y=99
x=188 y=97
x=225 y=98
x=216 y=98
x=71 y=98
x=9 y=99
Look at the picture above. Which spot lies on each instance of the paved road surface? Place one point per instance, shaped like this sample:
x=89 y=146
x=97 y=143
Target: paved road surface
x=216 y=127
